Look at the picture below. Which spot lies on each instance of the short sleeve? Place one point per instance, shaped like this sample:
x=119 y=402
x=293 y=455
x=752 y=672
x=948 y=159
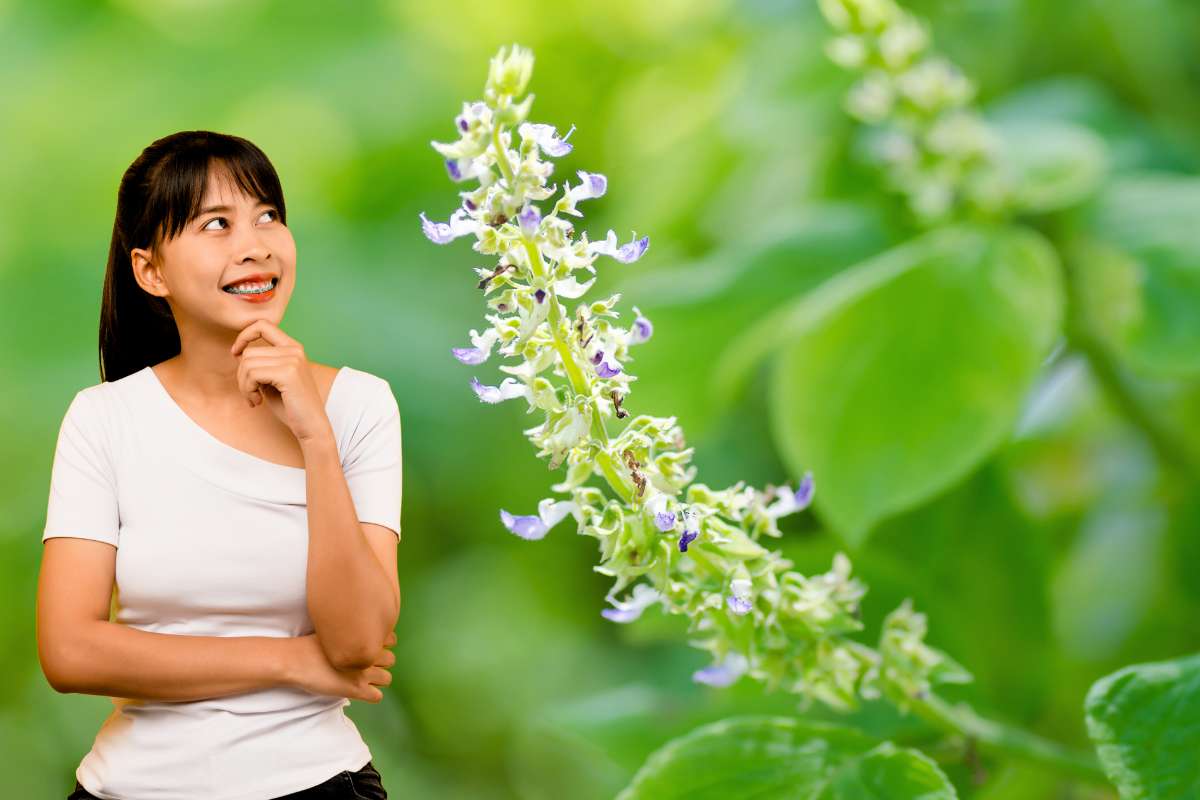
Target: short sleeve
x=83 y=490
x=372 y=463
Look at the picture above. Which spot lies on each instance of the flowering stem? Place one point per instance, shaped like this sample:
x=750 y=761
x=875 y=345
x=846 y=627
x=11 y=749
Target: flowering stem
x=1002 y=739
x=579 y=382
x=803 y=641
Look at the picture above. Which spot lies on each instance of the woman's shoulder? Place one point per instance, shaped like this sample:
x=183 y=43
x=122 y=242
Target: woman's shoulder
x=101 y=399
x=363 y=389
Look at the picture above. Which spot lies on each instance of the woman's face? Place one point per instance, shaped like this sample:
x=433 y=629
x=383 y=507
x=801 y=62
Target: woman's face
x=233 y=238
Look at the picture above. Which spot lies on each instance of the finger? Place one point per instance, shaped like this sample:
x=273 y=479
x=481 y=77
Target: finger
x=391 y=638
x=276 y=367
x=292 y=351
x=378 y=676
x=263 y=372
x=385 y=659
x=265 y=329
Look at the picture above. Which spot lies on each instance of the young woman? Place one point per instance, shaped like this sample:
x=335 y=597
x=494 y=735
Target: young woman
x=243 y=501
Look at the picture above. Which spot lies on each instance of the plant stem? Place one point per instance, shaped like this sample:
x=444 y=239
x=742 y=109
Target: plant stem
x=579 y=383
x=1113 y=380
x=1121 y=391
x=1010 y=741
x=502 y=158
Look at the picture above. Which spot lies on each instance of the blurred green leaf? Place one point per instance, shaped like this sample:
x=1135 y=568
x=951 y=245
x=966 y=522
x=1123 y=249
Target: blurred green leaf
x=977 y=567
x=1141 y=272
x=695 y=306
x=1084 y=103
x=785 y=758
x=1057 y=164
x=1143 y=721
x=902 y=373
x=1119 y=547
x=590 y=748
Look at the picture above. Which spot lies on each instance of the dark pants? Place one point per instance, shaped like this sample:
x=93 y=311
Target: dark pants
x=365 y=784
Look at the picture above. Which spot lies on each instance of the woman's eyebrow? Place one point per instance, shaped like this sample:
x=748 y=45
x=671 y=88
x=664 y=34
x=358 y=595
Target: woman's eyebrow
x=226 y=208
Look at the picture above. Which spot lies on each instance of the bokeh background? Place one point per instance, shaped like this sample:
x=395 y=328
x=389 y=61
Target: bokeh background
x=1065 y=551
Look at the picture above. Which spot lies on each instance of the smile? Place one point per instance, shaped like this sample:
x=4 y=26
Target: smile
x=254 y=292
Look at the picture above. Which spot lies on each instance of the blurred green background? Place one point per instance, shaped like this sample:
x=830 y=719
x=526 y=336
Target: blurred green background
x=1068 y=550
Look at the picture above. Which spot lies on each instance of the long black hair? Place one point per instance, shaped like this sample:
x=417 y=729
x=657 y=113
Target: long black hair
x=160 y=193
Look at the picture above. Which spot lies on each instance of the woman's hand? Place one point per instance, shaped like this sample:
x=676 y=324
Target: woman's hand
x=310 y=670
x=277 y=372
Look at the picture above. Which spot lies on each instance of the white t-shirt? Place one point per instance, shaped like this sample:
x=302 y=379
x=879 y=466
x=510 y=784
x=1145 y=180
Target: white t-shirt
x=213 y=541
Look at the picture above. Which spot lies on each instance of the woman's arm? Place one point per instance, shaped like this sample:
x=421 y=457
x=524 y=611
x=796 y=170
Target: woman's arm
x=111 y=659
x=351 y=600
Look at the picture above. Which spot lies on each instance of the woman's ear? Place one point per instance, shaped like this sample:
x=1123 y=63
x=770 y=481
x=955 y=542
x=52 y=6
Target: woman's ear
x=147 y=273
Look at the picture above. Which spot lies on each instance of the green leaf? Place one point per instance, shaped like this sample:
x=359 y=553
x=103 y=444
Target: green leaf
x=1119 y=545
x=1132 y=143
x=1140 y=275
x=1143 y=720
x=1057 y=164
x=695 y=304
x=901 y=374
x=785 y=759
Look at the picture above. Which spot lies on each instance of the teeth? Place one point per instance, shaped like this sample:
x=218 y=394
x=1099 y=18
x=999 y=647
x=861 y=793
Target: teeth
x=251 y=288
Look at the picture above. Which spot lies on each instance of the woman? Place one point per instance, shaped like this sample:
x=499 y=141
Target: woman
x=243 y=501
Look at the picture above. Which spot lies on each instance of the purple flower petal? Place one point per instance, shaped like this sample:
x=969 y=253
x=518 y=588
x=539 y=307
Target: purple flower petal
x=482 y=349
x=790 y=502
x=530 y=526
x=738 y=605
x=642 y=330
x=460 y=224
x=641 y=598
x=804 y=494
x=633 y=251
x=664 y=520
x=739 y=598
x=606 y=370
x=686 y=538
x=527 y=526
x=528 y=218
x=591 y=184
x=462 y=169
x=596 y=183
x=626 y=253
x=723 y=673
x=507 y=390
x=469 y=355
x=546 y=137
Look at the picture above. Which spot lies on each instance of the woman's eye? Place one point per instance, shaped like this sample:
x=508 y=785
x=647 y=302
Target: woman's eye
x=274 y=216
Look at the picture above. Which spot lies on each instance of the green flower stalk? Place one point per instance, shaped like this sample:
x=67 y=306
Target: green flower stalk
x=933 y=146
x=664 y=538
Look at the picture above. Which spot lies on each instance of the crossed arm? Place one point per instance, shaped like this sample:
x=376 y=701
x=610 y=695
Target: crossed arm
x=352 y=581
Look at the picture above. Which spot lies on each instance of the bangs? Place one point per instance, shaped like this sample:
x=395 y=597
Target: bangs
x=179 y=187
